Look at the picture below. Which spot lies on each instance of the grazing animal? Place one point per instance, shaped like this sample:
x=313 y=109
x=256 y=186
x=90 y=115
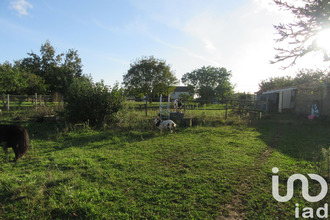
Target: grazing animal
x=177 y=104
x=165 y=124
x=16 y=137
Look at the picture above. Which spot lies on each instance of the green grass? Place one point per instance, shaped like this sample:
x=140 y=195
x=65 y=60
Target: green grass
x=204 y=172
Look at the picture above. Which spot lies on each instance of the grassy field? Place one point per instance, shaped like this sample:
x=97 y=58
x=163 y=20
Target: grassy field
x=215 y=171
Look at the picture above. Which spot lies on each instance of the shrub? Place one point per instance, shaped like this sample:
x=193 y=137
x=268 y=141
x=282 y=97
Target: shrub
x=94 y=103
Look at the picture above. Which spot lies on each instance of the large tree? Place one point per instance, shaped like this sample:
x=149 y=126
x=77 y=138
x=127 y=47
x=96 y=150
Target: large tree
x=57 y=72
x=301 y=35
x=149 y=77
x=209 y=83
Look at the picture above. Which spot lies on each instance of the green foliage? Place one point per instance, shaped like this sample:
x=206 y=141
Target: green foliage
x=57 y=73
x=94 y=103
x=305 y=78
x=46 y=74
x=186 y=97
x=210 y=83
x=275 y=83
x=149 y=77
x=14 y=80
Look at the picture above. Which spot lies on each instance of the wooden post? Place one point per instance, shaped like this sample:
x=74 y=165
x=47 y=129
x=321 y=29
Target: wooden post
x=146 y=106
x=169 y=107
x=226 y=108
x=35 y=98
x=8 y=102
x=36 y=101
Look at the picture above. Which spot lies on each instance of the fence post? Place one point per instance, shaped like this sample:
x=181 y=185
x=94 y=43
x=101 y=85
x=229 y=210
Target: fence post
x=146 y=106
x=8 y=102
x=36 y=101
x=226 y=108
x=35 y=98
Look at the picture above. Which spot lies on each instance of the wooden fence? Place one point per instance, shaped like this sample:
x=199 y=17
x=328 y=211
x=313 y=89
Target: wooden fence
x=223 y=108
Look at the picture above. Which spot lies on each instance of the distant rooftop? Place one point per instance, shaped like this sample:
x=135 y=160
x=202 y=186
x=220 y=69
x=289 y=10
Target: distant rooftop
x=181 y=89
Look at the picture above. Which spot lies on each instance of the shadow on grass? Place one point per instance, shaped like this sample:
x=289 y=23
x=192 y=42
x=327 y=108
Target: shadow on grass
x=294 y=136
x=57 y=137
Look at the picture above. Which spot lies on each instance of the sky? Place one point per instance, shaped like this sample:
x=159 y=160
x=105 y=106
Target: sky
x=111 y=34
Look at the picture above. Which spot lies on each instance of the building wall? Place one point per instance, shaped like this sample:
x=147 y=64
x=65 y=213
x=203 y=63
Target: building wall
x=306 y=97
x=286 y=99
x=176 y=95
x=298 y=100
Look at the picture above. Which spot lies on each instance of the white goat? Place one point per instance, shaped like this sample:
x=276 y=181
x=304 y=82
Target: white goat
x=165 y=124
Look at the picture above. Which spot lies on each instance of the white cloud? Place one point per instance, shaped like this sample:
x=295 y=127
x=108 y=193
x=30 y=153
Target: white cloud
x=21 y=7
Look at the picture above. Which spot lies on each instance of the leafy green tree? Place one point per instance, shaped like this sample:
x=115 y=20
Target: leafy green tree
x=275 y=83
x=209 y=83
x=149 y=77
x=311 y=17
x=57 y=72
x=35 y=84
x=13 y=80
x=309 y=78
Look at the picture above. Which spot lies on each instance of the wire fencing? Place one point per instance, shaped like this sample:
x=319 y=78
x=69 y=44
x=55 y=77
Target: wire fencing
x=48 y=106
x=24 y=106
x=193 y=108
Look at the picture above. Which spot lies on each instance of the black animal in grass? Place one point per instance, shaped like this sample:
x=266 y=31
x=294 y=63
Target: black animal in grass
x=16 y=137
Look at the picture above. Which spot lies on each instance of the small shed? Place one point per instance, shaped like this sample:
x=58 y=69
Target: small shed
x=280 y=100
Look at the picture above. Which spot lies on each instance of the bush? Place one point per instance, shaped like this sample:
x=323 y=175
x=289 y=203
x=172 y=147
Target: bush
x=94 y=103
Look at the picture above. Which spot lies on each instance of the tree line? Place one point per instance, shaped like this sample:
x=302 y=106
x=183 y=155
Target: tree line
x=152 y=77
x=305 y=78
x=97 y=103
x=47 y=73
x=50 y=73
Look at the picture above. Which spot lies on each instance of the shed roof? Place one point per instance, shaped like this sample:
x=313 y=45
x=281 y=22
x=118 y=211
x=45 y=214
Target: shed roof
x=279 y=90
